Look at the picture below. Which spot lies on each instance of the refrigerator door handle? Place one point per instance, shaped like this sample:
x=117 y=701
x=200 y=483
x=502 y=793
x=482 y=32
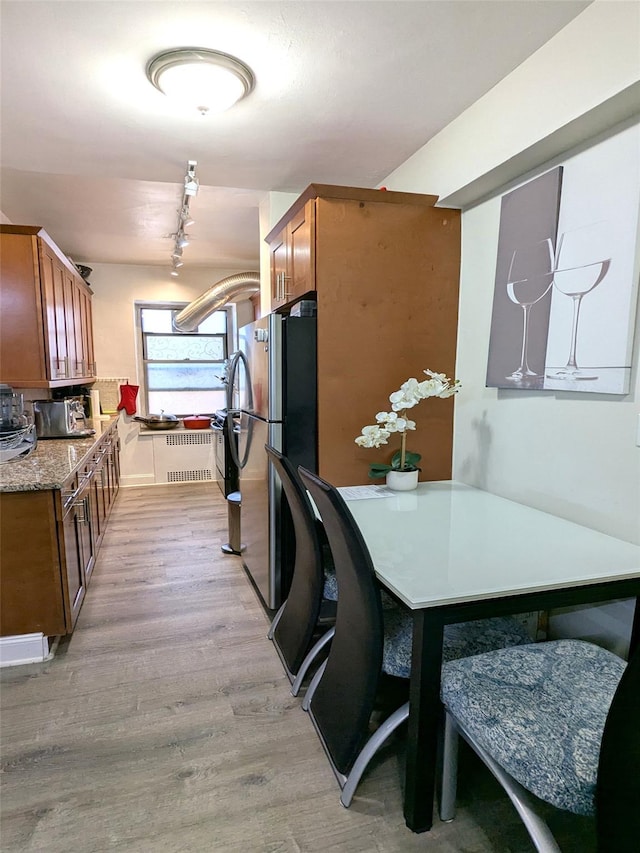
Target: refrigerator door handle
x=236 y=358
x=233 y=445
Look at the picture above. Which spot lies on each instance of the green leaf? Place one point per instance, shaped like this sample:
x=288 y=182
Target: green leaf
x=378 y=470
x=410 y=461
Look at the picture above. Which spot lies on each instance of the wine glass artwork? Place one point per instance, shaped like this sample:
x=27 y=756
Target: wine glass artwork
x=580 y=266
x=529 y=279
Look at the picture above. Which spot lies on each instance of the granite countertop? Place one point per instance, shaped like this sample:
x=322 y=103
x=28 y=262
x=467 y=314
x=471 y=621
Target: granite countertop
x=53 y=461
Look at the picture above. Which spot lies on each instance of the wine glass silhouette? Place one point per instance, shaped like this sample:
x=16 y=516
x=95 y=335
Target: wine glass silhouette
x=529 y=278
x=580 y=267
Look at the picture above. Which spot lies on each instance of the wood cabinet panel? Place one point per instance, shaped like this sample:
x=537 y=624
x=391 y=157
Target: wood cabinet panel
x=387 y=291
x=41 y=291
x=30 y=565
x=21 y=317
x=385 y=269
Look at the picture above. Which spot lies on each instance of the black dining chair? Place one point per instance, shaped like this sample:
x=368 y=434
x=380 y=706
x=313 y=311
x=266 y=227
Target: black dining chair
x=310 y=607
x=558 y=720
x=371 y=645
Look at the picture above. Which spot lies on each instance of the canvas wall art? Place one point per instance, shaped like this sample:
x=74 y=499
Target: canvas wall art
x=567 y=274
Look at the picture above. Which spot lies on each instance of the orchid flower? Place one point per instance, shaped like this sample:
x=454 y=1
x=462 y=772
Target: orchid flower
x=409 y=395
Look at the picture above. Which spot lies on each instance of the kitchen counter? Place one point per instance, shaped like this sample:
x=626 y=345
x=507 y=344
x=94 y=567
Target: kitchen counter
x=53 y=461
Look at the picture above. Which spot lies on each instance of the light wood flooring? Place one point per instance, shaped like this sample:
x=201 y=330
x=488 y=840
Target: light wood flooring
x=165 y=723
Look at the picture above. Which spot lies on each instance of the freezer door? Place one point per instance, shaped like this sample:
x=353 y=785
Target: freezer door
x=261 y=513
x=261 y=342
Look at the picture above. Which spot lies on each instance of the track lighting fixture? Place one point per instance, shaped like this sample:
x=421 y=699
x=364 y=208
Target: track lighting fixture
x=180 y=238
x=185 y=217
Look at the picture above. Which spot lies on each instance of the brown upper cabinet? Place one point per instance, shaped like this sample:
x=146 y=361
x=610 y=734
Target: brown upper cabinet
x=293 y=257
x=384 y=268
x=46 y=331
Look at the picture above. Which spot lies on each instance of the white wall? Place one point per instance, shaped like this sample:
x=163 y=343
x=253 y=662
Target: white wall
x=571 y=454
x=116 y=288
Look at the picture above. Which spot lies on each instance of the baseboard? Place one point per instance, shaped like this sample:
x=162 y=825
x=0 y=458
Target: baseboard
x=128 y=480
x=24 y=648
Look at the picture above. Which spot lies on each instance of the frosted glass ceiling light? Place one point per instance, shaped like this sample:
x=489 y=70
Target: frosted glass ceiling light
x=207 y=80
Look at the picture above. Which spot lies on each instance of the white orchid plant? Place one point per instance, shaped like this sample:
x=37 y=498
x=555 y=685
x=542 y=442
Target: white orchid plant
x=396 y=421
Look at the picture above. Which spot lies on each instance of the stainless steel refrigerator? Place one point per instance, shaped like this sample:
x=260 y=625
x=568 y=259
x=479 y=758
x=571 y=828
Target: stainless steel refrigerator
x=272 y=384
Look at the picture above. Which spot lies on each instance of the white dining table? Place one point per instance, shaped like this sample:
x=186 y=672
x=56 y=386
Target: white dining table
x=453 y=553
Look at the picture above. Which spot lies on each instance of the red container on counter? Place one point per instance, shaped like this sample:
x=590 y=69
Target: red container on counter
x=197 y=422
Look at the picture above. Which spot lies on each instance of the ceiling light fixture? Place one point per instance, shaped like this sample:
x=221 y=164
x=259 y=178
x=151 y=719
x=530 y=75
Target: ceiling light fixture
x=180 y=238
x=208 y=80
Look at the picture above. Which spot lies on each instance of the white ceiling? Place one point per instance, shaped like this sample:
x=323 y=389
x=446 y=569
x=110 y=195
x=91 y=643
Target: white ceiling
x=345 y=92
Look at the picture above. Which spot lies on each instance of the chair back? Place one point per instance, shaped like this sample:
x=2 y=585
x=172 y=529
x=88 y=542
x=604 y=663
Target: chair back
x=344 y=699
x=618 y=785
x=295 y=628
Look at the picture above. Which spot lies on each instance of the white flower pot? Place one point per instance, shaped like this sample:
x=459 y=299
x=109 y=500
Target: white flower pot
x=402 y=481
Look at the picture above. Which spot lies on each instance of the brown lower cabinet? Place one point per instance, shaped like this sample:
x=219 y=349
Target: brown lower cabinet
x=49 y=541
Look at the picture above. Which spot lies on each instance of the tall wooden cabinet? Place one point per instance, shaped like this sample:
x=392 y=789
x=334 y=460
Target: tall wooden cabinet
x=46 y=332
x=384 y=268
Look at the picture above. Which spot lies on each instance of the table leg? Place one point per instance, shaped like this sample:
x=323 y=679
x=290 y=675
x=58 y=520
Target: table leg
x=424 y=718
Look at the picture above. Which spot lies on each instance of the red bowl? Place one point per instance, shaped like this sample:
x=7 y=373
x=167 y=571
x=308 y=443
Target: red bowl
x=197 y=422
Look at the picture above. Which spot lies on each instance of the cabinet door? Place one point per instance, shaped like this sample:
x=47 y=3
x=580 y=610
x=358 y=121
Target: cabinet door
x=86 y=511
x=87 y=334
x=74 y=547
x=76 y=332
x=301 y=234
x=57 y=313
x=31 y=589
x=293 y=258
x=112 y=466
x=74 y=341
x=279 y=266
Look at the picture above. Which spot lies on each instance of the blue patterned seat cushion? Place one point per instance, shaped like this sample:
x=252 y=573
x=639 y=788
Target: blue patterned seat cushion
x=330 y=590
x=539 y=711
x=460 y=640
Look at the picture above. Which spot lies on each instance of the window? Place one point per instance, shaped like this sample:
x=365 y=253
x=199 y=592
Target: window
x=182 y=371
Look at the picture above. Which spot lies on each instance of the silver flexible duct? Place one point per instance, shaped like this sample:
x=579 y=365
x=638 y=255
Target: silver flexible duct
x=218 y=295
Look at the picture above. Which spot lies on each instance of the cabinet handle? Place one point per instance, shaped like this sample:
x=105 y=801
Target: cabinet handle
x=285 y=292
x=278 y=287
x=83 y=519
